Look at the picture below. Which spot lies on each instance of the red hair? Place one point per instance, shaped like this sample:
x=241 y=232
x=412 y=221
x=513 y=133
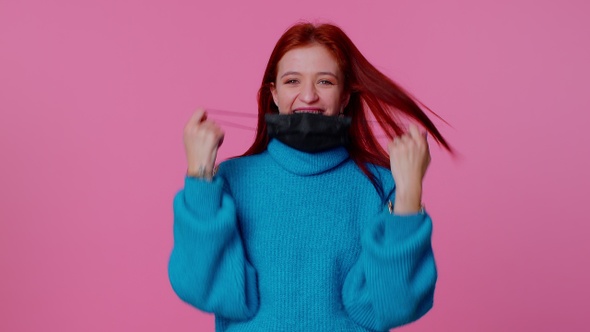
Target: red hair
x=370 y=92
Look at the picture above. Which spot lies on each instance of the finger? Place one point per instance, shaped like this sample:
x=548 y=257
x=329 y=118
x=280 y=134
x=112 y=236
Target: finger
x=209 y=125
x=405 y=139
x=211 y=128
x=414 y=132
x=420 y=137
x=198 y=116
x=391 y=145
x=400 y=141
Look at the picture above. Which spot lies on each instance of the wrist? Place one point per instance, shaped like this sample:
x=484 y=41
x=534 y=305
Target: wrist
x=408 y=200
x=202 y=172
x=409 y=193
x=401 y=211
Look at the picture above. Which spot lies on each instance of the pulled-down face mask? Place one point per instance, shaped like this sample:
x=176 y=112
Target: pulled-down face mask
x=309 y=132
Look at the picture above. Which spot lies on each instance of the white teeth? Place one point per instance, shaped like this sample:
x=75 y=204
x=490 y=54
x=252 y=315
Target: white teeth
x=307 y=111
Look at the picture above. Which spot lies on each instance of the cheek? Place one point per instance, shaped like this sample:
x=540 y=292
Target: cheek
x=284 y=101
x=286 y=97
x=336 y=99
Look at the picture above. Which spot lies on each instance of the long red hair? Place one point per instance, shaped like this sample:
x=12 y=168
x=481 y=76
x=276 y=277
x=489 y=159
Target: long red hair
x=370 y=92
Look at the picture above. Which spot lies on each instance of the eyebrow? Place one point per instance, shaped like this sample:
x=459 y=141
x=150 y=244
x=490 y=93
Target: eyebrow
x=319 y=73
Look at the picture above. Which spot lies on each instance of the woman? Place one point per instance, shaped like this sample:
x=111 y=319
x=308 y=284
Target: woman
x=308 y=231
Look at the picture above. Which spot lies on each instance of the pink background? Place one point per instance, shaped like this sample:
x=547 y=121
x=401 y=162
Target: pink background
x=94 y=96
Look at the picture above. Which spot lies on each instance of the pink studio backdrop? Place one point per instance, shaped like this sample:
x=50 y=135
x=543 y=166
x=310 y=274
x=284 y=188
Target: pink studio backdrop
x=94 y=96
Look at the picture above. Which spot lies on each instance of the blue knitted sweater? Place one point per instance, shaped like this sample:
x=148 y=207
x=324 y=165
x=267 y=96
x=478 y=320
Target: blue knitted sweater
x=292 y=241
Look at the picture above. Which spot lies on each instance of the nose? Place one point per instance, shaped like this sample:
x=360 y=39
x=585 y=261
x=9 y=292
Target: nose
x=308 y=93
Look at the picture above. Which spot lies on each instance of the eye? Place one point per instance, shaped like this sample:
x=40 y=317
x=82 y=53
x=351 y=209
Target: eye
x=291 y=81
x=326 y=82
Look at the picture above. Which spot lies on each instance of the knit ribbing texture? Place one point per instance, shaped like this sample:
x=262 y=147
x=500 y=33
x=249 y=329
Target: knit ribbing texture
x=292 y=241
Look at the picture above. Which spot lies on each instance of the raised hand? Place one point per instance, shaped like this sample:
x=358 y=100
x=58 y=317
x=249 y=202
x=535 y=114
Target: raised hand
x=202 y=139
x=409 y=158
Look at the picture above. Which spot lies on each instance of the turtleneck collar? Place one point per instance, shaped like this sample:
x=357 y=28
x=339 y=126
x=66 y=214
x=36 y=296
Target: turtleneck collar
x=303 y=163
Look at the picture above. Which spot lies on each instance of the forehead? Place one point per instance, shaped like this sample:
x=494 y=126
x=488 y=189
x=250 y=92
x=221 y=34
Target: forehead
x=308 y=59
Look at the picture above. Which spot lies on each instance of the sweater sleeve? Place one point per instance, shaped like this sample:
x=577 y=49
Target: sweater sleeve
x=393 y=281
x=208 y=267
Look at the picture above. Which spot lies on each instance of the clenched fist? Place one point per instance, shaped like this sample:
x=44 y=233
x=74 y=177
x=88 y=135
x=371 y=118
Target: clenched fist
x=202 y=139
x=409 y=158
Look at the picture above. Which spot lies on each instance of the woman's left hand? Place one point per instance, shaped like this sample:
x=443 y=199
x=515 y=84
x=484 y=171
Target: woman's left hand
x=409 y=158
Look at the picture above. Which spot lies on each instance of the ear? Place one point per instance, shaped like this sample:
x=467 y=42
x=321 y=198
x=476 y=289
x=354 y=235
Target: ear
x=273 y=91
x=345 y=100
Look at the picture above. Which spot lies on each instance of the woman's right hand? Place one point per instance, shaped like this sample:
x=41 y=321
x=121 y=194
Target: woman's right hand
x=202 y=138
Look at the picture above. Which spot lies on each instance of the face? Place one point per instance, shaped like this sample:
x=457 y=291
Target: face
x=309 y=80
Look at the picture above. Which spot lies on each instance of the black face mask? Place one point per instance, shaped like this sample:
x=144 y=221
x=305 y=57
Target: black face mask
x=309 y=132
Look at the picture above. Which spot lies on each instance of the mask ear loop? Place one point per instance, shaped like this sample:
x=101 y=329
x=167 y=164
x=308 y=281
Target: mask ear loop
x=232 y=114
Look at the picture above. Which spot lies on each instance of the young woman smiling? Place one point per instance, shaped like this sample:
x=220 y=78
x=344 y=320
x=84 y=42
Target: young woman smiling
x=316 y=227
